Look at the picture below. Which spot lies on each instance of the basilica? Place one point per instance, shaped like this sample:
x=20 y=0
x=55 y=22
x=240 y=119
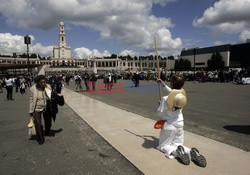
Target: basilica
x=62 y=51
x=62 y=57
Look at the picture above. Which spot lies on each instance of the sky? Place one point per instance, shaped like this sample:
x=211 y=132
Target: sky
x=98 y=28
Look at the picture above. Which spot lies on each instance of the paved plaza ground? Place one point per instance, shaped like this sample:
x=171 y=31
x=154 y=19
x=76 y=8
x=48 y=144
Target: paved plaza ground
x=215 y=110
x=219 y=111
x=74 y=148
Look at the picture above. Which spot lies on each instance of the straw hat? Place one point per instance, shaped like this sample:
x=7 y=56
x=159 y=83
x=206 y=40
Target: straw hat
x=176 y=98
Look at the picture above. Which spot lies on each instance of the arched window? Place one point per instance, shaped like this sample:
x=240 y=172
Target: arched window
x=62 y=38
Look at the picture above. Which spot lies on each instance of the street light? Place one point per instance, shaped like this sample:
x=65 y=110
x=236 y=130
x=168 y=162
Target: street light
x=27 y=41
x=194 y=52
x=14 y=55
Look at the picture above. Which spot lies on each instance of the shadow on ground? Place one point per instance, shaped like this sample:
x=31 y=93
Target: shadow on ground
x=243 y=129
x=149 y=141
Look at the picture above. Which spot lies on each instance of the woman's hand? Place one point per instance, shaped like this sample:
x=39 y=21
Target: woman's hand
x=160 y=81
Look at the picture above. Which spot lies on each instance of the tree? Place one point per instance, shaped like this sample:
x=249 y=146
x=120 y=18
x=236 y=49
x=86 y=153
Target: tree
x=113 y=56
x=182 y=65
x=171 y=57
x=33 y=55
x=24 y=55
x=187 y=64
x=215 y=62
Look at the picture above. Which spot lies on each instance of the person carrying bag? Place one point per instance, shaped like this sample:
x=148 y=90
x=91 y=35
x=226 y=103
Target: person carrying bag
x=43 y=102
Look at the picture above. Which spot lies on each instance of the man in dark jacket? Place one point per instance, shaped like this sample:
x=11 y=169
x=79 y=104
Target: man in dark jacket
x=52 y=110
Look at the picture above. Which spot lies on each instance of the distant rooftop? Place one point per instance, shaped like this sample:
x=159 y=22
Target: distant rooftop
x=213 y=49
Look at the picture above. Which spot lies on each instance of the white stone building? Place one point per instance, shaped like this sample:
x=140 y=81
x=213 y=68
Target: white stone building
x=62 y=51
x=62 y=57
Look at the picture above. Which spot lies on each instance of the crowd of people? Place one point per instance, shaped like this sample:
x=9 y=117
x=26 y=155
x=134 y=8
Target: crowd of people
x=232 y=75
x=15 y=83
x=88 y=79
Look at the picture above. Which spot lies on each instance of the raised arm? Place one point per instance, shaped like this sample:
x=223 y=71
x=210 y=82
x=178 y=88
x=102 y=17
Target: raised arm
x=166 y=87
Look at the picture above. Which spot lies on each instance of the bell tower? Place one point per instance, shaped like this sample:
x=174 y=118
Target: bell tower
x=62 y=51
x=62 y=35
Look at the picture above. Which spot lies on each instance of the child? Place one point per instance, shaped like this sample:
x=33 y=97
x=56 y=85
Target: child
x=172 y=135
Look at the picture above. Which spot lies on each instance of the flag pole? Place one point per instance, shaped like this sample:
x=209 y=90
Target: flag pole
x=158 y=66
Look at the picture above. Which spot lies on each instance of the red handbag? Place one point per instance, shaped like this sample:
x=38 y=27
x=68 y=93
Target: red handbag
x=159 y=124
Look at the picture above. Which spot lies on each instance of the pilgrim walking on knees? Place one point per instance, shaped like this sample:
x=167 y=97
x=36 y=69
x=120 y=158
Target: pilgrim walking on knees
x=171 y=140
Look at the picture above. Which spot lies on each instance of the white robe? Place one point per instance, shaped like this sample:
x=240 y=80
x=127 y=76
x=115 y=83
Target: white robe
x=172 y=133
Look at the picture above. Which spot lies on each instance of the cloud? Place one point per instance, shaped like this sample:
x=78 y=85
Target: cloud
x=129 y=21
x=128 y=52
x=11 y=43
x=15 y=43
x=42 y=50
x=245 y=35
x=217 y=43
x=84 y=53
x=228 y=17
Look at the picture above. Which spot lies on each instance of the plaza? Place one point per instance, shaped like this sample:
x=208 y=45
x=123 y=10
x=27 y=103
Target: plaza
x=215 y=118
x=215 y=110
x=113 y=130
x=107 y=58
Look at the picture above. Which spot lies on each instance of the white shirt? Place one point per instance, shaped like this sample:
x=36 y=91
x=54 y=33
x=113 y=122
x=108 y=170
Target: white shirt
x=9 y=82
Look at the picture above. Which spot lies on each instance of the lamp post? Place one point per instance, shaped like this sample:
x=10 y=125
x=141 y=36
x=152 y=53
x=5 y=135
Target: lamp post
x=194 y=52
x=27 y=41
x=14 y=55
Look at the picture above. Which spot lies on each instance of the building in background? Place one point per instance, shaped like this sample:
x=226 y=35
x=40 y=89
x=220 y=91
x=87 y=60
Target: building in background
x=237 y=55
x=62 y=51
